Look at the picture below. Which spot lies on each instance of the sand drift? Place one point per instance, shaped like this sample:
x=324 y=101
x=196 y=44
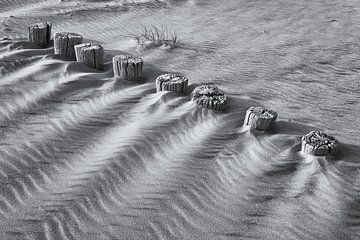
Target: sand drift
x=107 y=141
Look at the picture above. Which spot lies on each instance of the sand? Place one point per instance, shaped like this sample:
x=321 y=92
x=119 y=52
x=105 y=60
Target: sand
x=84 y=156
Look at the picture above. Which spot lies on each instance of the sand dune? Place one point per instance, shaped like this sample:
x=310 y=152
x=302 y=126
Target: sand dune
x=86 y=156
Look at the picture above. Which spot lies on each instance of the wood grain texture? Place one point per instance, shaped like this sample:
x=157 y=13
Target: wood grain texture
x=90 y=54
x=260 y=118
x=174 y=82
x=64 y=43
x=318 y=143
x=210 y=97
x=128 y=67
x=40 y=34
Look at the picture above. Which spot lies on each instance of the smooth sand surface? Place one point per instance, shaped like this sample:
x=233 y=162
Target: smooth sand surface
x=85 y=156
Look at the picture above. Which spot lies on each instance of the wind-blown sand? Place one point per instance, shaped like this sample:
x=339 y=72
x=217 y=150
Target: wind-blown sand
x=83 y=156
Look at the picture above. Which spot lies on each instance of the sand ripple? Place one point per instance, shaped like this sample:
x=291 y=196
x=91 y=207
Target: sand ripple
x=85 y=157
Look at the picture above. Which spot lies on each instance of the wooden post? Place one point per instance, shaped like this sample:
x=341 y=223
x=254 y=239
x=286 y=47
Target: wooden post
x=40 y=34
x=174 y=82
x=90 y=54
x=318 y=143
x=127 y=67
x=210 y=97
x=64 y=43
x=261 y=119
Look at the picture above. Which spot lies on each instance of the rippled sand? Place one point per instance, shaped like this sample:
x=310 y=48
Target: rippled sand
x=83 y=156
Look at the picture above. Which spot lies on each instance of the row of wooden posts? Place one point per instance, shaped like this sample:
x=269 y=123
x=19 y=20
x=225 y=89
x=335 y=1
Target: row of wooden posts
x=70 y=46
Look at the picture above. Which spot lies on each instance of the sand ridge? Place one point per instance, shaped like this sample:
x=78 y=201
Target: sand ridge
x=83 y=156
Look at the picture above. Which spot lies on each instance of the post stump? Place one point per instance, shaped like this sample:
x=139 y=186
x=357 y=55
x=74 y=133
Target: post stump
x=210 y=97
x=90 y=54
x=174 y=82
x=127 y=67
x=318 y=143
x=64 y=43
x=260 y=118
x=40 y=34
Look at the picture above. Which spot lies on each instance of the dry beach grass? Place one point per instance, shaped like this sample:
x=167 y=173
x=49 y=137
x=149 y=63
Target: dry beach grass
x=155 y=36
x=85 y=156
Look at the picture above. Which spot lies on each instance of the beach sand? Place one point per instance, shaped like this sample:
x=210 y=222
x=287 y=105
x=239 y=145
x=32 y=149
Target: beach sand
x=86 y=156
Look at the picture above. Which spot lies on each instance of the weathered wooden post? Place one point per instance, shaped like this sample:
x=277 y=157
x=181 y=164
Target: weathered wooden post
x=318 y=143
x=64 y=43
x=174 y=82
x=127 y=67
x=210 y=97
x=90 y=54
x=40 y=34
x=260 y=118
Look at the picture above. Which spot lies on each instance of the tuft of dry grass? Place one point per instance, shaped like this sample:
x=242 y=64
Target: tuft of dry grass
x=155 y=36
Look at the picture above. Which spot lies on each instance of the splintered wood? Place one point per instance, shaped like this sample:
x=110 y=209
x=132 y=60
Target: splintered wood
x=90 y=54
x=261 y=119
x=127 y=67
x=174 y=82
x=40 y=34
x=64 y=43
x=210 y=97
x=318 y=143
